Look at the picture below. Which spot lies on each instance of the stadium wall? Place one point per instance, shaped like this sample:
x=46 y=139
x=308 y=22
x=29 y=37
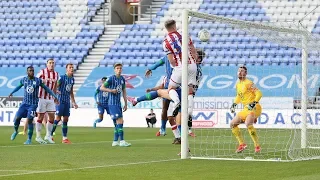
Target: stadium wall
x=202 y=118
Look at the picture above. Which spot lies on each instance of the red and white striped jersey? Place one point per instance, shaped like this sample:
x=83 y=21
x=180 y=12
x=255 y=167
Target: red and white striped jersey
x=49 y=78
x=172 y=45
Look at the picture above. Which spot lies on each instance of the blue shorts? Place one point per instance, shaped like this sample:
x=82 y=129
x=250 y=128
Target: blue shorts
x=27 y=111
x=115 y=112
x=63 y=109
x=103 y=107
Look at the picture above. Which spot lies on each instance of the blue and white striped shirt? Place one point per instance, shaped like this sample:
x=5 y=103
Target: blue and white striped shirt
x=65 y=84
x=117 y=83
x=102 y=96
x=31 y=90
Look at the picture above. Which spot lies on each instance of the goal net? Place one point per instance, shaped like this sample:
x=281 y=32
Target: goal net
x=282 y=60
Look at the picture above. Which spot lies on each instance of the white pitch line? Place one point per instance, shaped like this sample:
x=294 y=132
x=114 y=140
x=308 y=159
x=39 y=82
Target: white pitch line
x=89 y=167
x=94 y=142
x=3 y=170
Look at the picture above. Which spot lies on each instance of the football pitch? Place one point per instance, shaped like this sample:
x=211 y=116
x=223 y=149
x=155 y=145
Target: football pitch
x=92 y=157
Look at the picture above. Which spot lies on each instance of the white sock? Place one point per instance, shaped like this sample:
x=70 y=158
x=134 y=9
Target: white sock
x=190 y=130
x=174 y=96
x=64 y=138
x=38 y=129
x=175 y=131
x=49 y=129
x=190 y=104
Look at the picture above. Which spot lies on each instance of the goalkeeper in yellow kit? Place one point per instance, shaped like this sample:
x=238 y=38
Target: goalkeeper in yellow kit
x=249 y=95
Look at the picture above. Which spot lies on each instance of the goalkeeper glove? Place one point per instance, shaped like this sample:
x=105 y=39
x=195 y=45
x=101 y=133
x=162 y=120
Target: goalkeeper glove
x=252 y=105
x=232 y=109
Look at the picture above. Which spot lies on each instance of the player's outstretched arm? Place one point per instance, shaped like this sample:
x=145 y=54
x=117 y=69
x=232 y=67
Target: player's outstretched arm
x=154 y=67
x=16 y=88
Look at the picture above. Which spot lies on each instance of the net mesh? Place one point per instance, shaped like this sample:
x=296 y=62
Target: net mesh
x=263 y=47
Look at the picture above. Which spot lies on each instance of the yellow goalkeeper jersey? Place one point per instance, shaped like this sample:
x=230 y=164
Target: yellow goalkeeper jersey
x=247 y=92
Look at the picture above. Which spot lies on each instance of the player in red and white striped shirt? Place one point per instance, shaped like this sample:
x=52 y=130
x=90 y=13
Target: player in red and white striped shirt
x=46 y=102
x=172 y=45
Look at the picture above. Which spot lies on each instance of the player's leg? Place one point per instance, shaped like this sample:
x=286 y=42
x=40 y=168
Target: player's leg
x=147 y=97
x=190 y=126
x=59 y=114
x=174 y=127
x=123 y=143
x=66 y=115
x=51 y=109
x=30 y=116
x=21 y=113
x=238 y=119
x=100 y=115
x=49 y=125
x=116 y=113
x=250 y=120
x=175 y=130
x=113 y=110
x=175 y=81
x=25 y=128
x=164 y=116
x=42 y=107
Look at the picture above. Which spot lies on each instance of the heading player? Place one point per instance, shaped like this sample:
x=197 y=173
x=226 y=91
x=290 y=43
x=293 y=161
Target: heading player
x=115 y=86
x=65 y=93
x=46 y=104
x=30 y=101
x=172 y=46
x=101 y=99
x=249 y=95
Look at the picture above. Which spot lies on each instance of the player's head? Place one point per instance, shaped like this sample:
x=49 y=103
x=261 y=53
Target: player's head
x=69 y=68
x=30 y=71
x=242 y=72
x=50 y=64
x=117 y=68
x=151 y=110
x=201 y=56
x=103 y=79
x=170 y=25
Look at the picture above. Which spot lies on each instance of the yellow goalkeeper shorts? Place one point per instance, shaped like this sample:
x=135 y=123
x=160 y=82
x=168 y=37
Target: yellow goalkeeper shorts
x=256 y=111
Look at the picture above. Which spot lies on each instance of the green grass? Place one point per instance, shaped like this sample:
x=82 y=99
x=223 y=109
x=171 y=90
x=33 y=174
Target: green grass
x=92 y=157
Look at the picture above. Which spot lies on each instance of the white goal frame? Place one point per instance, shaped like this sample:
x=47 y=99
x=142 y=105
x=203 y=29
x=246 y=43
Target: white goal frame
x=184 y=97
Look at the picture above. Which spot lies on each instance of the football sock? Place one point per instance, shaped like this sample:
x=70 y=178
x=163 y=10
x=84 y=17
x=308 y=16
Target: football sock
x=64 y=129
x=149 y=96
x=253 y=134
x=38 y=128
x=30 y=129
x=163 y=125
x=116 y=134
x=120 y=131
x=55 y=123
x=237 y=133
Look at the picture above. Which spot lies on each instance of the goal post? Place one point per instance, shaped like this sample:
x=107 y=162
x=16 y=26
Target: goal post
x=296 y=37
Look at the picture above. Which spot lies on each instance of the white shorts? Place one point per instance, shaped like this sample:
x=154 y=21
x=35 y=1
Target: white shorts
x=170 y=110
x=45 y=105
x=176 y=76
